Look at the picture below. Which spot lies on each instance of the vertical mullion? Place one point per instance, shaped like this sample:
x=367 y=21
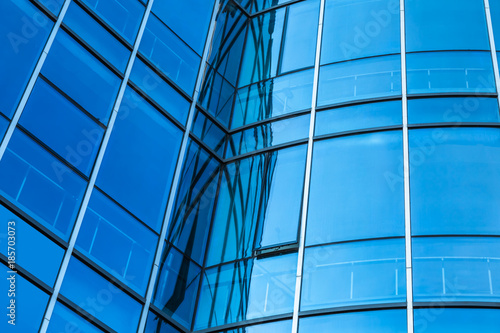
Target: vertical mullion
x=492 y=48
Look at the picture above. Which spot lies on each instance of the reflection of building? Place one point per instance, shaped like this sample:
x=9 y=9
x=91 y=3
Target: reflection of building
x=170 y=169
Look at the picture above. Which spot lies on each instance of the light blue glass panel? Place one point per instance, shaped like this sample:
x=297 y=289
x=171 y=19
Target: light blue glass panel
x=461 y=167
x=360 y=79
x=32 y=248
x=188 y=19
x=155 y=324
x=209 y=133
x=30 y=303
x=360 y=28
x=96 y=36
x=24 y=30
x=299 y=46
x=80 y=75
x=124 y=16
x=259 y=5
x=160 y=91
x=65 y=320
x=445 y=25
x=62 y=126
x=384 y=321
x=370 y=115
x=456 y=110
x=441 y=72
x=38 y=183
x=495 y=19
x=167 y=52
x=456 y=269
x=356 y=180
x=446 y=320
x=138 y=166
x=131 y=255
x=272 y=98
x=247 y=290
x=100 y=298
x=369 y=272
x=275 y=327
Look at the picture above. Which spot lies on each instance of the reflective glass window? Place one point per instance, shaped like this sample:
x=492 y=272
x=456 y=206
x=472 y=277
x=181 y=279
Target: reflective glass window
x=383 y=321
x=191 y=28
x=160 y=91
x=456 y=268
x=456 y=109
x=177 y=286
x=139 y=162
x=167 y=52
x=210 y=133
x=441 y=72
x=354 y=273
x=259 y=5
x=32 y=248
x=54 y=6
x=263 y=287
x=445 y=25
x=356 y=180
x=65 y=320
x=42 y=186
x=446 y=320
x=275 y=327
x=80 y=75
x=461 y=167
x=360 y=79
x=262 y=47
x=4 y=123
x=124 y=16
x=273 y=97
x=360 y=28
x=268 y=135
x=357 y=117
x=495 y=19
x=24 y=30
x=217 y=96
x=30 y=303
x=155 y=324
x=62 y=126
x=100 y=298
x=96 y=36
x=299 y=46
x=133 y=245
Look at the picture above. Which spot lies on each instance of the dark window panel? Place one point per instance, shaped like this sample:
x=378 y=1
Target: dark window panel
x=210 y=133
x=155 y=324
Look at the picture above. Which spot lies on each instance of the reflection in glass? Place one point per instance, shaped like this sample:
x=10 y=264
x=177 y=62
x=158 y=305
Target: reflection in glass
x=155 y=324
x=448 y=320
x=275 y=327
x=65 y=320
x=209 y=133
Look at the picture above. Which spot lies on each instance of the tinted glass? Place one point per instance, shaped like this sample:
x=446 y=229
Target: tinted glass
x=355 y=181
x=155 y=324
x=447 y=320
x=275 y=327
x=65 y=320
x=4 y=123
x=217 y=96
x=495 y=19
x=54 y=6
x=461 y=167
x=209 y=133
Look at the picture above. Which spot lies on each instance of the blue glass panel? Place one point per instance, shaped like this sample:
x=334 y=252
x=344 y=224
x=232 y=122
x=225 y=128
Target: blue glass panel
x=446 y=320
x=445 y=25
x=210 y=133
x=299 y=46
x=32 y=248
x=96 y=36
x=160 y=91
x=461 y=166
x=85 y=79
x=62 y=126
x=268 y=135
x=384 y=321
x=4 y=123
x=217 y=96
x=495 y=19
x=370 y=272
x=259 y=5
x=122 y=15
x=100 y=298
x=247 y=290
x=24 y=30
x=272 y=98
x=155 y=324
x=30 y=303
x=456 y=110
x=65 y=320
x=42 y=186
x=167 y=52
x=139 y=162
x=439 y=72
x=355 y=181
x=360 y=79
x=54 y=6
x=358 y=117
x=193 y=27
x=177 y=286
x=456 y=269
x=359 y=28
x=262 y=47
x=275 y=327
x=133 y=245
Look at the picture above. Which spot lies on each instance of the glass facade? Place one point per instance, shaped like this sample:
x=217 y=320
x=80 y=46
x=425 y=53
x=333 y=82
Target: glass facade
x=250 y=166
